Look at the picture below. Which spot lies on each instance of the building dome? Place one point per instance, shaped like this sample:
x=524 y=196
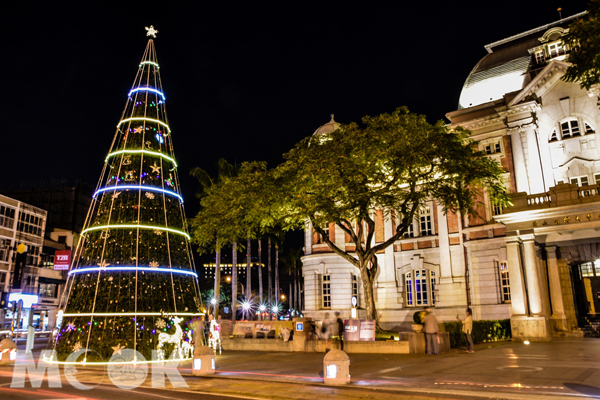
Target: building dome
x=497 y=73
x=329 y=127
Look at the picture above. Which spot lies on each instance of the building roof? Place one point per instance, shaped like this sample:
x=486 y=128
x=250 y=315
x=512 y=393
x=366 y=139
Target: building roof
x=329 y=127
x=504 y=69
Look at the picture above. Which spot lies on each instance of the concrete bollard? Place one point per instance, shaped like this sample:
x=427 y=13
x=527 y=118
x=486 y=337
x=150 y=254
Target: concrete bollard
x=336 y=368
x=204 y=361
x=8 y=352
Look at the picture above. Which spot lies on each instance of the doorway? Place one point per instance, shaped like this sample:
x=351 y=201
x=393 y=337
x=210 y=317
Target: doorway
x=586 y=282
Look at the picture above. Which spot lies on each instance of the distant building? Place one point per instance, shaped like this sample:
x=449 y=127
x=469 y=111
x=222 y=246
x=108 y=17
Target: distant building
x=22 y=228
x=538 y=262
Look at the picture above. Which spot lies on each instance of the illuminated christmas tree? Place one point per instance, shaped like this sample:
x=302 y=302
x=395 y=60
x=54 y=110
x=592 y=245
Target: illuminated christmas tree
x=133 y=283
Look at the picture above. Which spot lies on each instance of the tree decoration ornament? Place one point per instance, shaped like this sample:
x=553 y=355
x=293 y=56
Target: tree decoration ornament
x=117 y=349
x=155 y=168
x=116 y=283
x=77 y=346
x=174 y=339
x=161 y=324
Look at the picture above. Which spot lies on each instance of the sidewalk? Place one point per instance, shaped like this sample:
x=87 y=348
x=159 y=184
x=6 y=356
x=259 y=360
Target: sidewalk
x=563 y=368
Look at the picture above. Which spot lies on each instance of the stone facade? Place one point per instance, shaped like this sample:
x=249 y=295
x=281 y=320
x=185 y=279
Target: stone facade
x=513 y=263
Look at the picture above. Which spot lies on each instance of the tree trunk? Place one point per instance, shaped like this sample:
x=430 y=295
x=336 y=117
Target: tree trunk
x=260 y=280
x=217 y=290
x=233 y=280
x=269 y=277
x=248 y=268
x=368 y=280
x=277 y=299
x=290 y=296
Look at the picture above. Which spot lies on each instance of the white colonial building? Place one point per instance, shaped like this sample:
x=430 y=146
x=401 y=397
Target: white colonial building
x=534 y=262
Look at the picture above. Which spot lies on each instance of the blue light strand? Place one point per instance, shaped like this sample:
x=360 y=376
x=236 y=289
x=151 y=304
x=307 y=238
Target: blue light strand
x=149 y=188
x=122 y=269
x=149 y=89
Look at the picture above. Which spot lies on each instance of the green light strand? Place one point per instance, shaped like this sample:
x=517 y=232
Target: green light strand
x=154 y=153
x=144 y=119
x=160 y=228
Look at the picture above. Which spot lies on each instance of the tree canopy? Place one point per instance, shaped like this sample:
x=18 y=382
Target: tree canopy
x=584 y=40
x=391 y=164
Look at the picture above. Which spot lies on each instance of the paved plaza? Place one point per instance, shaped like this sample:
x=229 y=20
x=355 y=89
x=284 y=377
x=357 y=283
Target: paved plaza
x=563 y=368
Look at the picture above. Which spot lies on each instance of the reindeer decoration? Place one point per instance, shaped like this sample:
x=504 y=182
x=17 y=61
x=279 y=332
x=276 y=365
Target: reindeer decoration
x=187 y=349
x=175 y=338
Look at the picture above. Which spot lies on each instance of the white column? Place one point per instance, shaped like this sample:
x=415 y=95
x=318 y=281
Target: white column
x=521 y=177
x=533 y=277
x=534 y=165
x=517 y=289
x=308 y=238
x=558 y=309
x=445 y=263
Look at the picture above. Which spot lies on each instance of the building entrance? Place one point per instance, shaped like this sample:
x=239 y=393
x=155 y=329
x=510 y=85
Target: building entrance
x=586 y=282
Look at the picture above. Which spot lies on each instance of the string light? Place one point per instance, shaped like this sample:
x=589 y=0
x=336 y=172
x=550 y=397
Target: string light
x=150 y=188
x=149 y=90
x=154 y=153
x=149 y=62
x=160 y=228
x=131 y=314
x=119 y=269
x=144 y=119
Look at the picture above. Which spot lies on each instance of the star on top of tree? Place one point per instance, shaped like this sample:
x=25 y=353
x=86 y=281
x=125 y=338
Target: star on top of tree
x=151 y=31
x=117 y=349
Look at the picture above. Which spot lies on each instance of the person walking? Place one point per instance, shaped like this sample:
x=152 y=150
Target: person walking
x=467 y=328
x=340 y=324
x=432 y=330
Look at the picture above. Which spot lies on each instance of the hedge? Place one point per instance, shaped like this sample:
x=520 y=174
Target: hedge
x=483 y=331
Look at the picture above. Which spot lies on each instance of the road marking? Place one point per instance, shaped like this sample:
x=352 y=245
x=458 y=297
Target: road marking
x=385 y=371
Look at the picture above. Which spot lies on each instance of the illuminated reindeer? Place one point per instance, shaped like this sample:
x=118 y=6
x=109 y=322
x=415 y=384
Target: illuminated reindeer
x=175 y=338
x=187 y=349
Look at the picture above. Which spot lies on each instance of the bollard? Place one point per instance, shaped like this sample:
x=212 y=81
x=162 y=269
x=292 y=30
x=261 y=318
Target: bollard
x=204 y=361
x=336 y=368
x=8 y=352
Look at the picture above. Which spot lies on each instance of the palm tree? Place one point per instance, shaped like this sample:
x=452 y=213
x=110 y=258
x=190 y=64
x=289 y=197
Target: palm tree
x=293 y=263
x=226 y=170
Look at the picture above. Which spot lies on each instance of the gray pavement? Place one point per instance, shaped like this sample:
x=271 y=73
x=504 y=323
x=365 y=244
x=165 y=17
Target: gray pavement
x=563 y=368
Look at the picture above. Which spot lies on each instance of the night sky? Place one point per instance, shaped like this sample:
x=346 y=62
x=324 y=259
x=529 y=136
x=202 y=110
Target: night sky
x=241 y=83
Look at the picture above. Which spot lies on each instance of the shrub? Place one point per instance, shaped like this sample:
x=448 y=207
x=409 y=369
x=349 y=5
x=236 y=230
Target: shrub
x=483 y=331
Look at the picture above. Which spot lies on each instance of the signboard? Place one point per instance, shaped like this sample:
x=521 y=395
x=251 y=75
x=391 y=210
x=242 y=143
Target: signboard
x=359 y=329
x=367 y=330
x=299 y=326
x=351 y=327
x=243 y=327
x=62 y=260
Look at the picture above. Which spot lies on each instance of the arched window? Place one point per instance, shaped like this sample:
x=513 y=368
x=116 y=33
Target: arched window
x=571 y=128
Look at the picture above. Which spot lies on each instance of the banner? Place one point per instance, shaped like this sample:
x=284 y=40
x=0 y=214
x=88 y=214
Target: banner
x=62 y=260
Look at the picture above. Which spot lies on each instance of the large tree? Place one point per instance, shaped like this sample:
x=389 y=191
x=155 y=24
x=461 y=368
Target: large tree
x=394 y=163
x=584 y=40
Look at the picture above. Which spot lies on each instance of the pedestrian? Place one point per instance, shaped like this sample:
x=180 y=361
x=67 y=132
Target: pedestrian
x=467 y=328
x=326 y=331
x=340 y=324
x=432 y=331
